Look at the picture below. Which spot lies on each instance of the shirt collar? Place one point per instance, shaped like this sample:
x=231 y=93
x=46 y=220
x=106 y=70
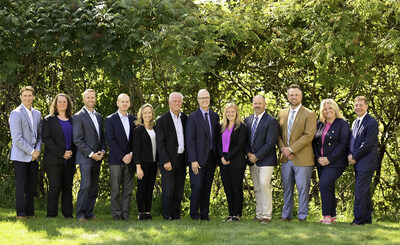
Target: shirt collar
x=90 y=112
x=362 y=117
x=259 y=116
x=174 y=116
x=122 y=116
x=296 y=109
x=203 y=111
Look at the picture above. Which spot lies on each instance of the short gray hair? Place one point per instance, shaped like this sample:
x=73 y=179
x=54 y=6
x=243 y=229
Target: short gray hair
x=171 y=95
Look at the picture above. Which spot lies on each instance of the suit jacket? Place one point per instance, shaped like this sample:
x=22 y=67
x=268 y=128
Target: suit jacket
x=198 y=136
x=236 y=152
x=303 y=131
x=25 y=138
x=167 y=142
x=142 y=147
x=54 y=140
x=265 y=140
x=366 y=145
x=116 y=138
x=335 y=143
x=85 y=136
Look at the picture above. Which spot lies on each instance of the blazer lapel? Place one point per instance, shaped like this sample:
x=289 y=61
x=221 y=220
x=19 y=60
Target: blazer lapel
x=25 y=113
x=262 y=120
x=121 y=126
x=203 y=123
x=89 y=120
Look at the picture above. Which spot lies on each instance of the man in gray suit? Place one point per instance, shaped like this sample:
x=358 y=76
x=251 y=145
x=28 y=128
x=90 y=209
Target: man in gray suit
x=89 y=140
x=25 y=123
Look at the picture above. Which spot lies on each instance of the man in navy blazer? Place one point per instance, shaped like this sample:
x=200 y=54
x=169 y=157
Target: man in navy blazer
x=119 y=132
x=89 y=140
x=25 y=124
x=260 y=149
x=170 y=133
x=364 y=156
x=202 y=130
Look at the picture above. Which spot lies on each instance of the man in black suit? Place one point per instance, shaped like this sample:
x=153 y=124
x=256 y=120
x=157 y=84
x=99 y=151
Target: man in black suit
x=89 y=140
x=119 y=131
x=170 y=131
x=202 y=129
x=364 y=156
x=263 y=132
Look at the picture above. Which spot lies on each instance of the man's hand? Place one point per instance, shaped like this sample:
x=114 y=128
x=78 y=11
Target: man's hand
x=35 y=155
x=352 y=161
x=252 y=157
x=195 y=167
x=286 y=152
x=127 y=158
x=168 y=166
x=139 y=171
x=67 y=155
x=98 y=156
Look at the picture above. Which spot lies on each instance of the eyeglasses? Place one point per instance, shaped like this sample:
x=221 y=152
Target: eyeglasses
x=203 y=98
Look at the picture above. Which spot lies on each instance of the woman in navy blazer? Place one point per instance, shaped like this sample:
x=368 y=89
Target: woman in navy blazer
x=59 y=155
x=231 y=141
x=145 y=158
x=330 y=147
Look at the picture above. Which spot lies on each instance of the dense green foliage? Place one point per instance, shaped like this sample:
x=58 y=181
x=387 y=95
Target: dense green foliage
x=149 y=48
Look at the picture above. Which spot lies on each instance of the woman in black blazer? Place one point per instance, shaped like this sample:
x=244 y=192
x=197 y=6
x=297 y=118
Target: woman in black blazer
x=231 y=142
x=145 y=158
x=330 y=147
x=59 y=155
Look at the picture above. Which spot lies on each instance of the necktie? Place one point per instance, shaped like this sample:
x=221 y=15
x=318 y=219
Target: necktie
x=253 y=130
x=289 y=126
x=354 y=134
x=208 y=129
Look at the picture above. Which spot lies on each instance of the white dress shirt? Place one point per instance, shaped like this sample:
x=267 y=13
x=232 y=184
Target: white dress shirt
x=179 y=131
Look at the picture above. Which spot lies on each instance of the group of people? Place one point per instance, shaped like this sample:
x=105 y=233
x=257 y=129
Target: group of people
x=200 y=141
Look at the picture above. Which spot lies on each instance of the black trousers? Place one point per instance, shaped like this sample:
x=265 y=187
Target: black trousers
x=144 y=193
x=173 y=183
x=201 y=184
x=60 y=181
x=232 y=180
x=26 y=178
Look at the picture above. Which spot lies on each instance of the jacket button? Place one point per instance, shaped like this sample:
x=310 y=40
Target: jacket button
x=329 y=143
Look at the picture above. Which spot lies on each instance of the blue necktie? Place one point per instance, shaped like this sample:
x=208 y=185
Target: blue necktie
x=354 y=134
x=289 y=126
x=208 y=129
x=253 y=130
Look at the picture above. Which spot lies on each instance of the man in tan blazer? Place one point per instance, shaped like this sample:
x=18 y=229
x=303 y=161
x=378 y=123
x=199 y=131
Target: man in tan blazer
x=297 y=126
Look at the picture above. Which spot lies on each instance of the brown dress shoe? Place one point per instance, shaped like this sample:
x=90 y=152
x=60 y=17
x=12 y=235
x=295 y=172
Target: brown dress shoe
x=285 y=219
x=302 y=220
x=264 y=221
x=82 y=220
x=257 y=219
x=21 y=217
x=94 y=218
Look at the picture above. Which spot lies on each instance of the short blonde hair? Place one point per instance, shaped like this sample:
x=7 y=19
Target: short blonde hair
x=139 y=120
x=334 y=106
x=363 y=98
x=225 y=122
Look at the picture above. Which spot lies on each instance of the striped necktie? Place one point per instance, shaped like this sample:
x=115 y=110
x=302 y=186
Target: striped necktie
x=253 y=130
x=354 y=134
x=289 y=126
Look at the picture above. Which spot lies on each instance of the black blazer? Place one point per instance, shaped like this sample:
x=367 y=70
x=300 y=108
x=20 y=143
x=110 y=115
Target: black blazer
x=54 y=140
x=167 y=142
x=142 y=148
x=335 y=143
x=236 y=152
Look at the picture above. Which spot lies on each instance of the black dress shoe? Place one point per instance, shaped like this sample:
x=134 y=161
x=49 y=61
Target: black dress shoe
x=168 y=218
x=117 y=218
x=205 y=218
x=148 y=216
x=355 y=224
x=142 y=216
x=69 y=217
x=228 y=219
x=125 y=218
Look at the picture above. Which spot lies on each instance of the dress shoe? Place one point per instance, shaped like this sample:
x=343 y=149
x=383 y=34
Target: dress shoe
x=21 y=217
x=141 y=216
x=302 y=220
x=257 y=219
x=228 y=219
x=264 y=221
x=31 y=216
x=355 y=224
x=148 y=216
x=235 y=218
x=125 y=218
x=82 y=220
x=205 y=218
x=168 y=218
x=117 y=218
x=69 y=217
x=94 y=218
x=285 y=219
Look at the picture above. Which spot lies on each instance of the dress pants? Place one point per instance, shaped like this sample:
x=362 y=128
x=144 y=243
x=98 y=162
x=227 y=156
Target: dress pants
x=173 y=183
x=60 y=180
x=232 y=180
x=26 y=178
x=88 y=191
x=363 y=200
x=144 y=192
x=201 y=188
x=121 y=177
x=301 y=176
x=327 y=179
x=261 y=177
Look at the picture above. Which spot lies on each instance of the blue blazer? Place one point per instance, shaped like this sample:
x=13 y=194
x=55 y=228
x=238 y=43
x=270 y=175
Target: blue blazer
x=265 y=140
x=116 y=138
x=197 y=138
x=335 y=143
x=25 y=138
x=366 y=145
x=85 y=136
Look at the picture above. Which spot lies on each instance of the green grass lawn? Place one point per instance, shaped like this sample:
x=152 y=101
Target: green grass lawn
x=186 y=231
